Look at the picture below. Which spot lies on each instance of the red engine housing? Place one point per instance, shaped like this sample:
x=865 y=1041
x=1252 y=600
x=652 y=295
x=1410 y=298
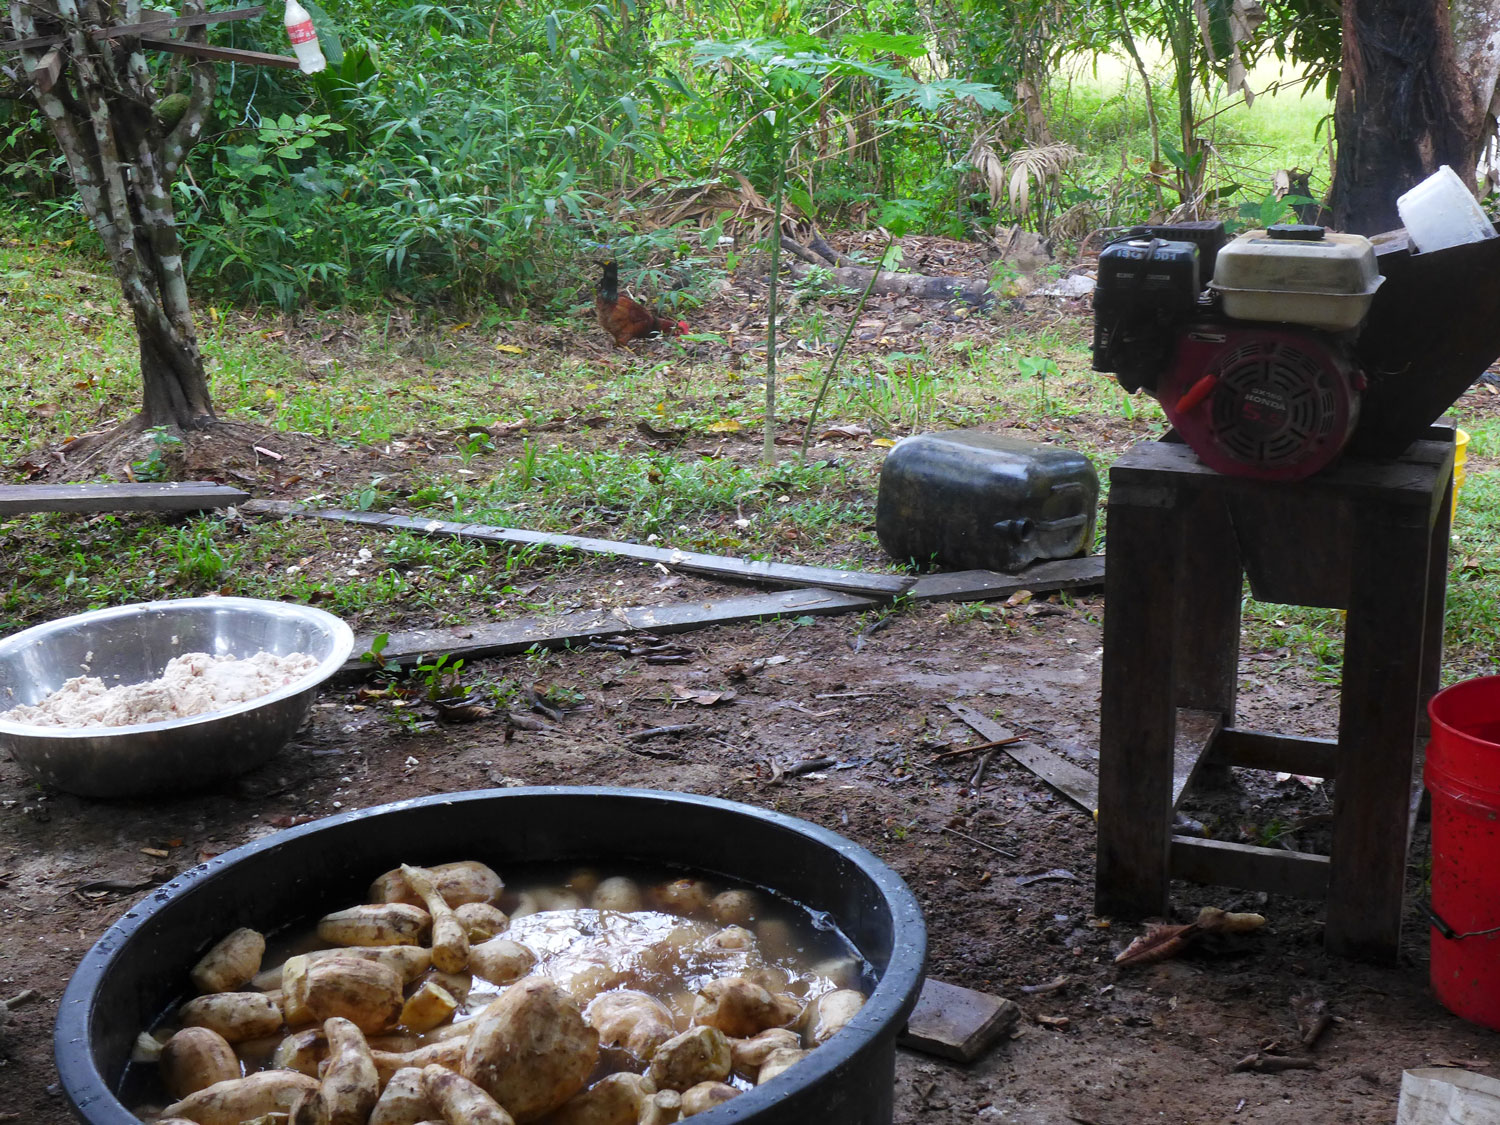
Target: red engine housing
x=1270 y=402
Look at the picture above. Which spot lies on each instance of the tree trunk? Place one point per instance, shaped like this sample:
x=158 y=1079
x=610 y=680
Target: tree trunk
x=176 y=387
x=1476 y=41
x=1404 y=108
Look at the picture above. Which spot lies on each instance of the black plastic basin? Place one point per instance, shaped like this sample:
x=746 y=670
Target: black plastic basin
x=139 y=968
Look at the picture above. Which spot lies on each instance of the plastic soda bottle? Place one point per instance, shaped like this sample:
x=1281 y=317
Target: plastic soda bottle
x=304 y=37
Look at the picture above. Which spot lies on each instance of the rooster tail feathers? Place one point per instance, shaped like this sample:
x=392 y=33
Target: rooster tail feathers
x=609 y=284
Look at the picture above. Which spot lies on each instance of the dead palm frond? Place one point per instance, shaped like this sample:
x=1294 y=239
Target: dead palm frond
x=1043 y=165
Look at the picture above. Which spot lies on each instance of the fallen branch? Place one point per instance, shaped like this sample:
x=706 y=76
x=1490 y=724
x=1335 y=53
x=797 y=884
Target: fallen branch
x=653 y=732
x=980 y=843
x=973 y=290
x=819 y=246
x=992 y=744
x=1262 y=1063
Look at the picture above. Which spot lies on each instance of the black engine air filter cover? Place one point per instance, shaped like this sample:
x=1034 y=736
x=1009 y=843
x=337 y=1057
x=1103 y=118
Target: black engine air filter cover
x=1269 y=403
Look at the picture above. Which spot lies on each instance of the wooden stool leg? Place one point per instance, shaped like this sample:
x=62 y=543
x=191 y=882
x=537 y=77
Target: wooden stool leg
x=1437 y=594
x=1208 y=608
x=1137 y=719
x=1383 y=669
x=1209 y=598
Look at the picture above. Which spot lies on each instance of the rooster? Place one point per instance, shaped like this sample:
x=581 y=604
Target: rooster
x=623 y=318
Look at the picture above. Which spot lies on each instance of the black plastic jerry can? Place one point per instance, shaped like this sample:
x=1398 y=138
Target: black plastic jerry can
x=974 y=500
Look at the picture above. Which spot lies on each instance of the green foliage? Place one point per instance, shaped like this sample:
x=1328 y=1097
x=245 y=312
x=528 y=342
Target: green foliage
x=156 y=465
x=1271 y=209
x=468 y=156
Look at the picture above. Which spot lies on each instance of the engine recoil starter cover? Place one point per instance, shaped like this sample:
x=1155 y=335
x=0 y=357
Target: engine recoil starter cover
x=1273 y=403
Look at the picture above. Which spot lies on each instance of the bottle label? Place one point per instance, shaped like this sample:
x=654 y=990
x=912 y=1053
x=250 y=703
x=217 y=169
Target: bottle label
x=303 y=32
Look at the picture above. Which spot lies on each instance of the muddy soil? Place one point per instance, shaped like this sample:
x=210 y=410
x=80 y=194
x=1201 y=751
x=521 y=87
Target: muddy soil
x=1097 y=1043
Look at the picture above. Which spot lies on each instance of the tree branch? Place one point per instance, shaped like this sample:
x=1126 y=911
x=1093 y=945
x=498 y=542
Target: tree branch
x=188 y=131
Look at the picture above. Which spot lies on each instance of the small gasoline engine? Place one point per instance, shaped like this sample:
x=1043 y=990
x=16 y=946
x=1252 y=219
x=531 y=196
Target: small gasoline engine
x=1248 y=345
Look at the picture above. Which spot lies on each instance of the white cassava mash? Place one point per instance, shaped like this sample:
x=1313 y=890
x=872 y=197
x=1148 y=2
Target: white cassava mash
x=192 y=684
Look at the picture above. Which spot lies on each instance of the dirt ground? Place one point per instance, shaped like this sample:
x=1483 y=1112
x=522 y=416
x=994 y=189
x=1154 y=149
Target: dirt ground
x=1097 y=1044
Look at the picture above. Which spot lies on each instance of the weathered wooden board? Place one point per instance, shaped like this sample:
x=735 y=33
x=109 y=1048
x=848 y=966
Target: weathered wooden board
x=507 y=638
x=1285 y=753
x=162 y=22
x=986 y=585
x=171 y=496
x=29 y=44
x=1222 y=862
x=219 y=54
x=953 y=1022
x=1078 y=785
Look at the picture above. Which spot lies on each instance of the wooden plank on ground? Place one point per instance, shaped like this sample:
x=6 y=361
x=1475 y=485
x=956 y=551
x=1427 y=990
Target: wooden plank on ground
x=506 y=638
x=986 y=585
x=953 y=1022
x=1078 y=785
x=692 y=562
x=170 y=496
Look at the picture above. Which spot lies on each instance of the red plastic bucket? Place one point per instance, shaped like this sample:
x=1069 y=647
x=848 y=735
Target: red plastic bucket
x=1463 y=777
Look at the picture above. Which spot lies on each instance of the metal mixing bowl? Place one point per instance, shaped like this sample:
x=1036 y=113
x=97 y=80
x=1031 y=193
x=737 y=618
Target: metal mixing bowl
x=132 y=644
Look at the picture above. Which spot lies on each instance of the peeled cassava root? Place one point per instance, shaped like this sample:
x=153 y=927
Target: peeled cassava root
x=243 y=1099
x=380 y=1027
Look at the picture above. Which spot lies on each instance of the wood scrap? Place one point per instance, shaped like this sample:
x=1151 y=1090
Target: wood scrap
x=508 y=638
x=171 y=496
x=978 y=842
x=1078 y=785
x=1313 y=1019
x=953 y=1022
x=990 y=745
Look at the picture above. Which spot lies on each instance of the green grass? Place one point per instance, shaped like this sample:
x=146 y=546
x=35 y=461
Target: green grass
x=1100 y=109
x=578 y=463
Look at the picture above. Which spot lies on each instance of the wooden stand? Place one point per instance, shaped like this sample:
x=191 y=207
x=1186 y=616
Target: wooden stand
x=1370 y=537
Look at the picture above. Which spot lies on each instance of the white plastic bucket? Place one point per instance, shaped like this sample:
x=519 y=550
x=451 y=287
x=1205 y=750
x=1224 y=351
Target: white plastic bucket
x=1441 y=212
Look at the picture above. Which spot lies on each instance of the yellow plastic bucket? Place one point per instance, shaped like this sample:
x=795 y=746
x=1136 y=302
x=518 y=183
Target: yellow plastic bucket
x=1460 y=458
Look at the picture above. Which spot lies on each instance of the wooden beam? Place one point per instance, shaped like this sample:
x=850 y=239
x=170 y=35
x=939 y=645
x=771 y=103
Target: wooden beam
x=48 y=70
x=164 y=22
x=219 y=54
x=175 y=496
x=30 y=44
x=507 y=638
x=1300 y=874
x=1078 y=785
x=1283 y=753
